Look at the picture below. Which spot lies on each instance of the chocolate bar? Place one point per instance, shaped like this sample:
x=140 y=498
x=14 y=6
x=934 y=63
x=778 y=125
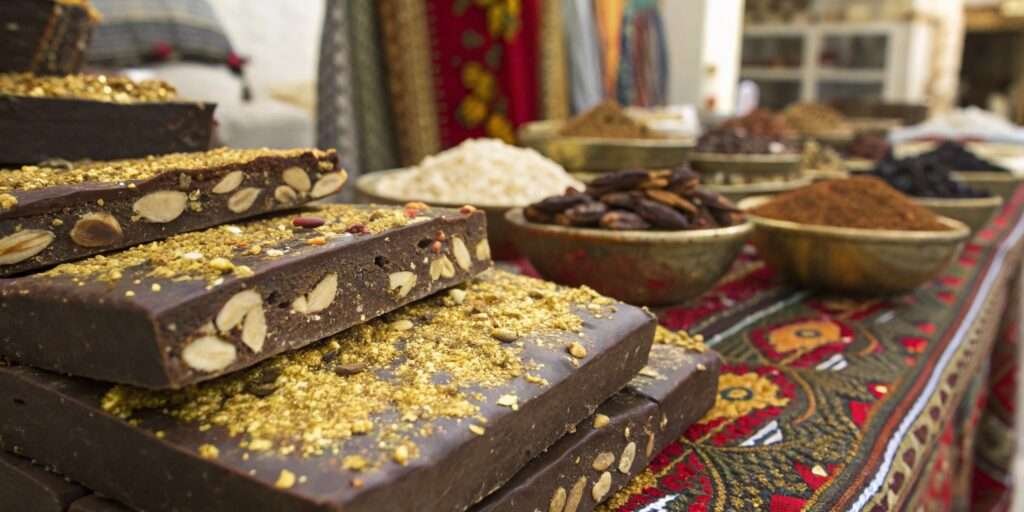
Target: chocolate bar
x=58 y=213
x=202 y=304
x=45 y=36
x=95 y=503
x=96 y=117
x=27 y=487
x=590 y=465
x=430 y=408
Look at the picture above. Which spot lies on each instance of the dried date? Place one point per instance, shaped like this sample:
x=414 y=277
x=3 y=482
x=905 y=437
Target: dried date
x=613 y=182
x=671 y=199
x=559 y=204
x=621 y=220
x=586 y=214
x=532 y=214
x=624 y=200
x=660 y=215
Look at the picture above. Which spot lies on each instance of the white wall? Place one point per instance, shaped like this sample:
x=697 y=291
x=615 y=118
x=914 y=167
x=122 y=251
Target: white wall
x=704 y=40
x=282 y=38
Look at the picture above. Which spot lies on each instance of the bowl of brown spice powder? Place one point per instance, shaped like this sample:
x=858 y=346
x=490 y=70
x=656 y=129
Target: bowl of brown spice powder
x=854 y=236
x=605 y=138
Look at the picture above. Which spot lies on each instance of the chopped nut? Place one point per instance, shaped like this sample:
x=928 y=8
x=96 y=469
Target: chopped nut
x=228 y=183
x=323 y=294
x=458 y=295
x=601 y=420
x=626 y=459
x=297 y=179
x=208 y=451
x=402 y=325
x=317 y=241
x=285 y=480
x=483 y=250
x=242 y=200
x=346 y=370
x=510 y=401
x=401 y=282
x=328 y=184
x=300 y=304
x=209 y=354
x=504 y=335
x=222 y=264
x=236 y=308
x=436 y=247
x=557 y=500
x=286 y=195
x=254 y=329
x=243 y=271
x=577 y=350
x=97 y=230
x=161 y=207
x=603 y=461
x=601 y=487
x=461 y=253
x=649 y=450
x=23 y=245
x=477 y=429
x=467 y=209
x=576 y=495
x=155 y=287
x=354 y=463
x=308 y=222
x=401 y=455
x=8 y=201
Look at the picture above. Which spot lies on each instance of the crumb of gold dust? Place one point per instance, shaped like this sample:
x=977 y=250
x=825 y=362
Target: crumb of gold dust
x=34 y=177
x=216 y=252
x=106 y=88
x=682 y=339
x=303 y=403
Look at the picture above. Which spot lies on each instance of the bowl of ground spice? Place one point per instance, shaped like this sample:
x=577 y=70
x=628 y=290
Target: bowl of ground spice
x=854 y=236
x=605 y=138
x=644 y=237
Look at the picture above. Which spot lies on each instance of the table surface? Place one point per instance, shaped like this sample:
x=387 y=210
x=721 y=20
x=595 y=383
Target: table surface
x=830 y=403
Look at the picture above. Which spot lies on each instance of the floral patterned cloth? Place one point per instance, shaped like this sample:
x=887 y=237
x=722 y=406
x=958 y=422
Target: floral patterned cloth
x=829 y=403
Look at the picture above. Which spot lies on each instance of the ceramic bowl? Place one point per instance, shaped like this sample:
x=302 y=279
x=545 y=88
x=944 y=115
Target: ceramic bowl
x=851 y=261
x=602 y=154
x=1002 y=184
x=736 y=193
x=638 y=267
x=753 y=165
x=976 y=212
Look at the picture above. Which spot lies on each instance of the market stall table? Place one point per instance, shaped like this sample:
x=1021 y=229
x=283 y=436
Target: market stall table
x=833 y=403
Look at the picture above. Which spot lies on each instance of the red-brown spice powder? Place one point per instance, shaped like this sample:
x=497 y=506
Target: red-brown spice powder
x=861 y=202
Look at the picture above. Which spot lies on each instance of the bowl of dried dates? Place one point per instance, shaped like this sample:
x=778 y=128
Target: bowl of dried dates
x=644 y=237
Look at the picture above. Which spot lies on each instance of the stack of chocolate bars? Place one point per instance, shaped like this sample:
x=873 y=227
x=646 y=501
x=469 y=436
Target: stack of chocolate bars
x=192 y=332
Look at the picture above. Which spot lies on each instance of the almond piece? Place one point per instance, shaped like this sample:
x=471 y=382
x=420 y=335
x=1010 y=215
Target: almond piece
x=603 y=461
x=483 y=250
x=24 y=245
x=161 y=206
x=228 y=183
x=557 y=500
x=286 y=195
x=235 y=309
x=97 y=230
x=323 y=294
x=435 y=269
x=601 y=487
x=575 y=495
x=401 y=282
x=447 y=267
x=461 y=253
x=626 y=459
x=243 y=199
x=297 y=178
x=209 y=354
x=300 y=304
x=328 y=184
x=254 y=329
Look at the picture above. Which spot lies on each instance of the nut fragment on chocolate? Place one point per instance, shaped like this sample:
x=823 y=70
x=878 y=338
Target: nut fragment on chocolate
x=242 y=200
x=228 y=183
x=209 y=354
x=285 y=195
x=401 y=283
x=297 y=179
x=162 y=206
x=328 y=184
x=97 y=230
x=461 y=253
x=23 y=245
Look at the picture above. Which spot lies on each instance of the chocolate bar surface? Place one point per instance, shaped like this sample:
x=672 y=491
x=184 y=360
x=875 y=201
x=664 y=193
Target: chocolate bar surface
x=27 y=487
x=62 y=213
x=202 y=304
x=45 y=36
x=590 y=465
x=431 y=408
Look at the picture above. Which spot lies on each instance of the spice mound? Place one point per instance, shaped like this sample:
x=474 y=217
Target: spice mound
x=484 y=172
x=763 y=123
x=668 y=200
x=609 y=120
x=815 y=118
x=958 y=158
x=923 y=176
x=112 y=89
x=861 y=202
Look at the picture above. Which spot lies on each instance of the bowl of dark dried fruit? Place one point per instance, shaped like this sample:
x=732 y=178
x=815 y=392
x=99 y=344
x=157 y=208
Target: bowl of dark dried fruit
x=644 y=237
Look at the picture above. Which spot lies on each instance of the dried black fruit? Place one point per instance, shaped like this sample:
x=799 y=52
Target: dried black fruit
x=715 y=201
x=559 y=204
x=674 y=200
x=661 y=216
x=622 y=220
x=621 y=180
x=534 y=215
x=587 y=214
x=683 y=180
x=624 y=200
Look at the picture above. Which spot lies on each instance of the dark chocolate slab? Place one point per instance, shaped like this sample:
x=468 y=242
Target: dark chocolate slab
x=450 y=460
x=44 y=36
x=175 y=317
x=591 y=464
x=97 y=504
x=34 y=130
x=30 y=488
x=56 y=214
